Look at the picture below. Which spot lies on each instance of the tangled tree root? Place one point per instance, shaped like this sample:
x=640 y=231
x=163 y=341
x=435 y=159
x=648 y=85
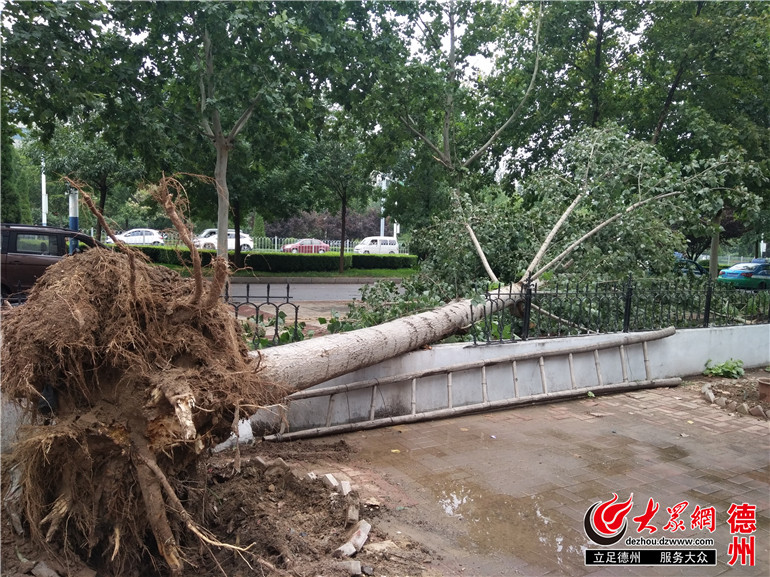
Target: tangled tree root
x=146 y=371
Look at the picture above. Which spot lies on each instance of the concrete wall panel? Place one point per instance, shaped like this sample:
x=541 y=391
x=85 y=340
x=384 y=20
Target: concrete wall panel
x=681 y=354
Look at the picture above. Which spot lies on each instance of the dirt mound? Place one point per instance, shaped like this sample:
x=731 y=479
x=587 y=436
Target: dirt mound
x=284 y=518
x=127 y=372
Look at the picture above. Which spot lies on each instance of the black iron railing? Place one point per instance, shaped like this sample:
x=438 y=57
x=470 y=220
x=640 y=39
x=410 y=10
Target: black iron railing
x=627 y=306
x=268 y=320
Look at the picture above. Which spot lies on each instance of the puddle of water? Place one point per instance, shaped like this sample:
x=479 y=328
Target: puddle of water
x=672 y=453
x=521 y=527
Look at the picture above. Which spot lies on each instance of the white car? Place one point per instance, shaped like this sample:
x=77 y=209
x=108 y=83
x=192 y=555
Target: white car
x=208 y=240
x=377 y=245
x=139 y=236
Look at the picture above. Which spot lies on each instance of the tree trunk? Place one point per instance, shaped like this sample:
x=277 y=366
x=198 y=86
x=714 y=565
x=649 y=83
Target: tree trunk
x=596 y=76
x=343 y=232
x=714 y=254
x=223 y=194
x=330 y=356
x=673 y=89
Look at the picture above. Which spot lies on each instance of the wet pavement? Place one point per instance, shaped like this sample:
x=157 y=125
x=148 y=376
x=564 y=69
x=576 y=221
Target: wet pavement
x=506 y=493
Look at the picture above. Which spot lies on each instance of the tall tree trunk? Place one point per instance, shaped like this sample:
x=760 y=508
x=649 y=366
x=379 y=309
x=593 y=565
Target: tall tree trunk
x=102 y=203
x=597 y=68
x=343 y=232
x=714 y=254
x=237 y=224
x=223 y=193
x=672 y=89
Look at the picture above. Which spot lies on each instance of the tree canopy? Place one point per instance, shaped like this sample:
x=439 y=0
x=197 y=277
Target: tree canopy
x=451 y=100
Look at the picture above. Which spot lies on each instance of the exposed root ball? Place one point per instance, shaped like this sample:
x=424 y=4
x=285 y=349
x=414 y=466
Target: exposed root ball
x=127 y=380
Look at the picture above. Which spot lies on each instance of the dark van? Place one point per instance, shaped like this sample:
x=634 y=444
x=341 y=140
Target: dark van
x=27 y=250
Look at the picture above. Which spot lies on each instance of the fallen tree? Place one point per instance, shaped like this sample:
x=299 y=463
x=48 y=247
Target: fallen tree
x=128 y=372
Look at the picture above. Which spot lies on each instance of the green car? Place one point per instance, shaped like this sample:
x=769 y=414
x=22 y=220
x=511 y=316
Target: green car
x=747 y=275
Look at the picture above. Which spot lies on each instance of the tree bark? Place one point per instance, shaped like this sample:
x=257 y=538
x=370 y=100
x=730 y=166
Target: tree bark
x=344 y=232
x=223 y=193
x=596 y=76
x=330 y=356
x=714 y=253
x=673 y=89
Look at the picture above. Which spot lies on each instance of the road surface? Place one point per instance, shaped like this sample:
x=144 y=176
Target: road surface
x=298 y=291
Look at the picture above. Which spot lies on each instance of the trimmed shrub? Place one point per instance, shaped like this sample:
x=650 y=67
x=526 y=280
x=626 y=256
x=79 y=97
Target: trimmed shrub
x=279 y=262
x=286 y=262
x=386 y=261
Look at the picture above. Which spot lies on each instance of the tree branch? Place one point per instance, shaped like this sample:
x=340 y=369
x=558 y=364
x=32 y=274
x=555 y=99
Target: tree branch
x=562 y=219
x=440 y=155
x=531 y=86
x=597 y=228
x=241 y=122
x=209 y=68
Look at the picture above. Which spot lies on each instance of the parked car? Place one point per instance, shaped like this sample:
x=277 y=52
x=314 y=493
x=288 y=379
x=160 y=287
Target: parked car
x=27 y=250
x=207 y=232
x=306 y=245
x=377 y=245
x=747 y=275
x=208 y=240
x=689 y=267
x=139 y=236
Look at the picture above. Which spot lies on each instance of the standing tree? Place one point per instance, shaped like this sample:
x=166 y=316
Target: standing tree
x=339 y=176
x=221 y=64
x=92 y=161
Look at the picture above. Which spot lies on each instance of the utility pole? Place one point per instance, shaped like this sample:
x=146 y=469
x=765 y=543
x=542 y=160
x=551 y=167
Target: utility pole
x=44 y=197
x=74 y=213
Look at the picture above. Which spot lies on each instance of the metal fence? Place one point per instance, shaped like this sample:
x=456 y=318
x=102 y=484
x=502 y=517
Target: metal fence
x=268 y=319
x=608 y=307
x=274 y=244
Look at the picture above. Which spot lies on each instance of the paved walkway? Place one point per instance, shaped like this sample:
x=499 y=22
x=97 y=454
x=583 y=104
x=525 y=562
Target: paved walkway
x=507 y=491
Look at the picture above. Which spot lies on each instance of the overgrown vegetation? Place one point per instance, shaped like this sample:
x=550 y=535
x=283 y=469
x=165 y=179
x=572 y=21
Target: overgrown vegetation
x=732 y=369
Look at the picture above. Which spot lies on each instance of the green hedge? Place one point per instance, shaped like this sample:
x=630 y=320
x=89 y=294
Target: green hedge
x=287 y=262
x=386 y=261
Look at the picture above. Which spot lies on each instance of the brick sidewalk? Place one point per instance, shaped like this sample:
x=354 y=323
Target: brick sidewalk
x=510 y=489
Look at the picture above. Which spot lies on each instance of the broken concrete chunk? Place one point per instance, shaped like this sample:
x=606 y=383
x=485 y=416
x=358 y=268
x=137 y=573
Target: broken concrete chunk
x=358 y=537
x=345 y=488
x=43 y=570
x=352 y=567
x=757 y=411
x=331 y=482
x=352 y=515
x=381 y=546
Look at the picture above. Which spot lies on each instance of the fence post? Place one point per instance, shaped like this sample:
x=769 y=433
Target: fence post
x=527 y=311
x=707 y=312
x=627 y=305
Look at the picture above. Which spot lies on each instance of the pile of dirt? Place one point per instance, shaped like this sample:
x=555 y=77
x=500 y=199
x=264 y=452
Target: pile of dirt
x=285 y=520
x=744 y=389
